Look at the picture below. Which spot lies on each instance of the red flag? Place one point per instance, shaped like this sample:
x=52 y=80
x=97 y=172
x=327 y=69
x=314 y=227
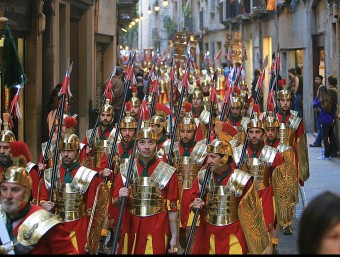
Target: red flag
x=185 y=80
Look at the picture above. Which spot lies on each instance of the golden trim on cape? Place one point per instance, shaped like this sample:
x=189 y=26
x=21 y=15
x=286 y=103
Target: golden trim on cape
x=303 y=159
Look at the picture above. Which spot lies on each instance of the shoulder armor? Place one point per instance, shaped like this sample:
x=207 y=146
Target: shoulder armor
x=200 y=177
x=237 y=151
x=123 y=168
x=238 y=181
x=82 y=146
x=162 y=174
x=88 y=134
x=48 y=177
x=268 y=154
x=82 y=179
x=282 y=147
x=199 y=153
x=30 y=166
x=205 y=116
x=294 y=121
x=244 y=122
x=35 y=226
x=294 y=113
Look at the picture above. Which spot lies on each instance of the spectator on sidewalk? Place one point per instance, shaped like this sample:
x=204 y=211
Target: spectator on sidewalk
x=319 y=230
x=317 y=143
x=327 y=117
x=333 y=92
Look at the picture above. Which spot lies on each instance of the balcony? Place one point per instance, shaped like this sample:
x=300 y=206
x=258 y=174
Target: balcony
x=126 y=12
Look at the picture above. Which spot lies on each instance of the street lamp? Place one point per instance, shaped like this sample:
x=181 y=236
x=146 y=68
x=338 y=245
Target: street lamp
x=141 y=17
x=157 y=7
x=149 y=10
x=165 y=3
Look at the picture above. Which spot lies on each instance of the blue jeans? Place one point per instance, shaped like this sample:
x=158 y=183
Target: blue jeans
x=318 y=138
x=298 y=104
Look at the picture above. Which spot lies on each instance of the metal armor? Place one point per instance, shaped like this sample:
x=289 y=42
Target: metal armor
x=287 y=131
x=70 y=205
x=146 y=196
x=187 y=172
x=100 y=146
x=35 y=226
x=260 y=167
x=50 y=153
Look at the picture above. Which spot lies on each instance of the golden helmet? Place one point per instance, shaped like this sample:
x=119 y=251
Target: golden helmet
x=146 y=132
x=284 y=95
x=220 y=147
x=128 y=122
x=135 y=100
x=197 y=94
x=107 y=107
x=255 y=122
x=271 y=121
x=187 y=123
x=69 y=142
x=18 y=175
x=7 y=136
x=162 y=111
x=236 y=101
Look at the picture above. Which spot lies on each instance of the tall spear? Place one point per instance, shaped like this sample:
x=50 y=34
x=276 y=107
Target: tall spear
x=144 y=114
x=65 y=91
x=129 y=77
x=207 y=172
x=258 y=93
x=108 y=88
x=235 y=83
x=184 y=85
x=172 y=80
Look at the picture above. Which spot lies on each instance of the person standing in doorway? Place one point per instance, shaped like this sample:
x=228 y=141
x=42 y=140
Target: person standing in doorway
x=317 y=143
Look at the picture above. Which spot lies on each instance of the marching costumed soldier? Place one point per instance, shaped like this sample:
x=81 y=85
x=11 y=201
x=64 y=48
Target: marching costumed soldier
x=27 y=228
x=158 y=124
x=133 y=105
x=189 y=157
x=10 y=147
x=284 y=179
x=231 y=216
x=293 y=135
x=200 y=114
x=151 y=213
x=102 y=138
x=73 y=192
x=260 y=161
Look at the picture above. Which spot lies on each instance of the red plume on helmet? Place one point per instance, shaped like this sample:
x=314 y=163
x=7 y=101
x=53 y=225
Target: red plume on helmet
x=109 y=96
x=237 y=91
x=128 y=106
x=187 y=106
x=20 y=149
x=162 y=109
x=270 y=107
x=70 y=122
x=134 y=89
x=256 y=108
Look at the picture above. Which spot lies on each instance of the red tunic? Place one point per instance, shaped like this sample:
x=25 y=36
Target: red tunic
x=224 y=241
x=55 y=241
x=267 y=195
x=34 y=174
x=141 y=228
x=79 y=226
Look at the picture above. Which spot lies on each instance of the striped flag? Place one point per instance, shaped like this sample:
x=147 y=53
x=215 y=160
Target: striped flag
x=218 y=56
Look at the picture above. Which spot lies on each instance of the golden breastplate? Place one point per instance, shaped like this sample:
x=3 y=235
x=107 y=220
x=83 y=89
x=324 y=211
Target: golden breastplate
x=261 y=173
x=69 y=203
x=221 y=206
x=146 y=198
x=187 y=172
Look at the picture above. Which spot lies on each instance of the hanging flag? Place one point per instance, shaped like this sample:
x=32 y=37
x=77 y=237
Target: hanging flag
x=13 y=72
x=218 y=56
x=229 y=55
x=198 y=51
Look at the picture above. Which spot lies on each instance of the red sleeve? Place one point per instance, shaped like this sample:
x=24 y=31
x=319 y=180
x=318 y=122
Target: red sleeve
x=44 y=194
x=278 y=160
x=56 y=241
x=35 y=182
x=229 y=129
x=41 y=157
x=172 y=192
